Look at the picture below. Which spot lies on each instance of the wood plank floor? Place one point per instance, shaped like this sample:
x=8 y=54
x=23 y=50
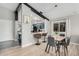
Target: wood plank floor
x=37 y=51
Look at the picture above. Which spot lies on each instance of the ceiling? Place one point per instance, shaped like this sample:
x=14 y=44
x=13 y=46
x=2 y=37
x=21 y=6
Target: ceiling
x=10 y=6
x=63 y=9
x=49 y=9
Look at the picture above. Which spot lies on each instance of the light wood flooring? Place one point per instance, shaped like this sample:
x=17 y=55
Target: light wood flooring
x=35 y=50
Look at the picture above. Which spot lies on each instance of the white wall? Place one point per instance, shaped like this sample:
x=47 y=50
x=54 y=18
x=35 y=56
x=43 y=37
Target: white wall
x=5 y=30
x=74 y=24
x=27 y=36
x=47 y=27
x=6 y=24
x=6 y=14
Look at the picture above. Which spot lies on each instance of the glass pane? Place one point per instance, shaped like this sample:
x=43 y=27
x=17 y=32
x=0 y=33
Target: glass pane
x=56 y=27
x=62 y=26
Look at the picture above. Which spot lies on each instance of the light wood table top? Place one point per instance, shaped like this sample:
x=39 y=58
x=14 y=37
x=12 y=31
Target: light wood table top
x=58 y=38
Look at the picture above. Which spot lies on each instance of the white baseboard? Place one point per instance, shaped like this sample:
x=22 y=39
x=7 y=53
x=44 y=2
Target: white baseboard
x=26 y=45
x=15 y=39
x=74 y=43
x=5 y=40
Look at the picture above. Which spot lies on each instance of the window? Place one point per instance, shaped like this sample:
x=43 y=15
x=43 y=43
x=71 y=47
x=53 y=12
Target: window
x=60 y=27
x=56 y=29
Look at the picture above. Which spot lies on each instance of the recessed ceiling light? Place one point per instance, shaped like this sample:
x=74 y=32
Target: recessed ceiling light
x=55 y=5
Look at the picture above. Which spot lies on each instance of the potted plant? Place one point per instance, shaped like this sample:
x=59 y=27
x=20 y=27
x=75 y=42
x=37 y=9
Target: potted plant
x=56 y=33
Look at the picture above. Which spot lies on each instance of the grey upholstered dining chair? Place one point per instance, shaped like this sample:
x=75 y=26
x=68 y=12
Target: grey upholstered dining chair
x=58 y=45
x=67 y=40
x=64 y=43
x=50 y=43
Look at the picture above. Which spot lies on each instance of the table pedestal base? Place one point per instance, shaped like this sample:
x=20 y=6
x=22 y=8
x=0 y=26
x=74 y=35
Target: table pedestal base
x=37 y=44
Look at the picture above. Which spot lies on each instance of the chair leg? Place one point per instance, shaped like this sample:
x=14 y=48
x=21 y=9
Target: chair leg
x=44 y=39
x=38 y=43
x=46 y=48
x=52 y=48
x=67 y=50
x=64 y=51
x=58 y=50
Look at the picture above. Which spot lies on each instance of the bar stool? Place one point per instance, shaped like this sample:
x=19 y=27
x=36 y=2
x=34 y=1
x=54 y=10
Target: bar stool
x=37 y=37
x=44 y=35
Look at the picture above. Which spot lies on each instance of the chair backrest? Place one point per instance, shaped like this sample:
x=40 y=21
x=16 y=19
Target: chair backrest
x=68 y=40
x=50 y=40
